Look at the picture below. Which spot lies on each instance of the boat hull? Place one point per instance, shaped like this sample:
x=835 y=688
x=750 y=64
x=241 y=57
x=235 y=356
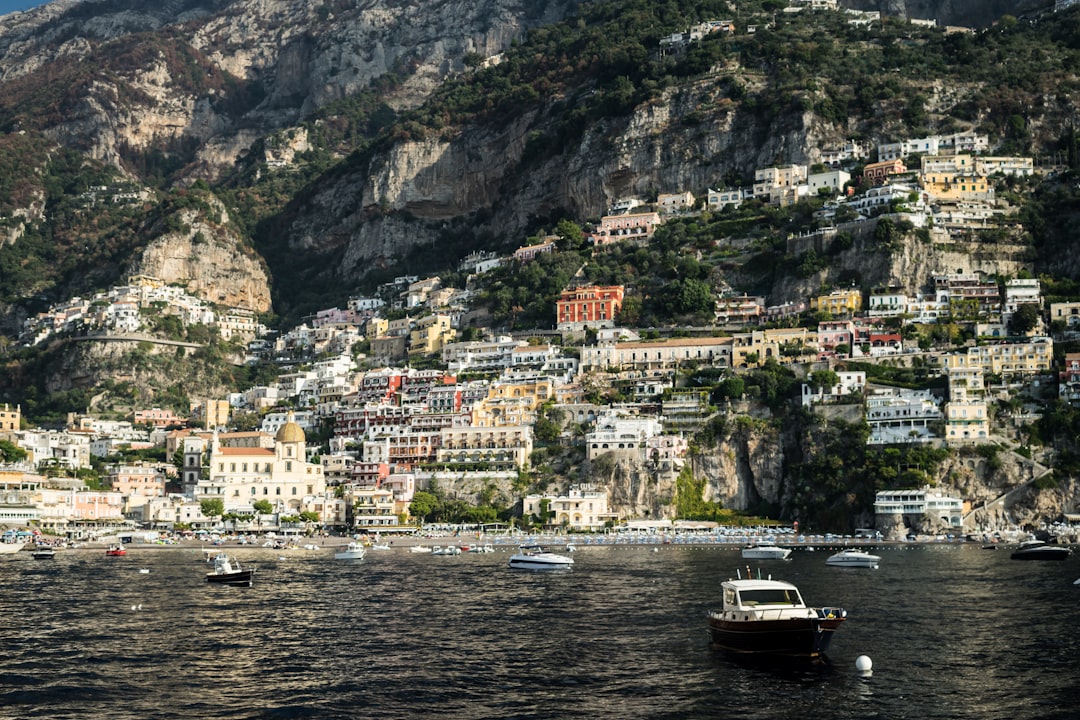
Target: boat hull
x=765 y=554
x=10 y=548
x=534 y=564
x=796 y=638
x=239 y=578
x=1043 y=553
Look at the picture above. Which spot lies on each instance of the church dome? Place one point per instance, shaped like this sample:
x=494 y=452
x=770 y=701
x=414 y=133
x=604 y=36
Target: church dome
x=290 y=432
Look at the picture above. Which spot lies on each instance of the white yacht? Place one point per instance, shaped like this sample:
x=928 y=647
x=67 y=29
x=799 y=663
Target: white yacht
x=534 y=557
x=854 y=558
x=765 y=550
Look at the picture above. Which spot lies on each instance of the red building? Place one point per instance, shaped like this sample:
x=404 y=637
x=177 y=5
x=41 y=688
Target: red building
x=593 y=306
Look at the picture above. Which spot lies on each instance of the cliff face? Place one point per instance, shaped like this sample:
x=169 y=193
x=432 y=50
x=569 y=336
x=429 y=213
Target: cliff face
x=215 y=69
x=371 y=214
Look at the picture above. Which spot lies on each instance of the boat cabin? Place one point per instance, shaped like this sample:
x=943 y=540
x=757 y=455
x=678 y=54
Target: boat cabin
x=761 y=593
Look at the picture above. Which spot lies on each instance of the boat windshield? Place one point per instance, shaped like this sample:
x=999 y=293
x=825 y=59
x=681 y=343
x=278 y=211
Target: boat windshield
x=770 y=597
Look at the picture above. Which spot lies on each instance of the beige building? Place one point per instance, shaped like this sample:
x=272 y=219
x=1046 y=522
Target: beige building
x=240 y=476
x=966 y=418
x=658 y=355
x=579 y=509
x=507 y=446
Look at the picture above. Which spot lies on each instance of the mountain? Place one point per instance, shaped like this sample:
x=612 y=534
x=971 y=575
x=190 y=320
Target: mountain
x=280 y=155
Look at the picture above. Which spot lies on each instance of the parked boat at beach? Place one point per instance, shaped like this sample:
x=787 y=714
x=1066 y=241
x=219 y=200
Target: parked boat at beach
x=769 y=617
x=854 y=558
x=227 y=571
x=534 y=557
x=352 y=551
x=765 y=551
x=1039 y=550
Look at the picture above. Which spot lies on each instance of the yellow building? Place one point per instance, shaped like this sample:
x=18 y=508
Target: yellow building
x=10 y=419
x=513 y=403
x=429 y=334
x=752 y=349
x=838 y=302
x=1005 y=359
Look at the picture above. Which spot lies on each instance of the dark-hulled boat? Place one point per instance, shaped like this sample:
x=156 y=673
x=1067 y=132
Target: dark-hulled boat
x=1039 y=550
x=227 y=571
x=769 y=617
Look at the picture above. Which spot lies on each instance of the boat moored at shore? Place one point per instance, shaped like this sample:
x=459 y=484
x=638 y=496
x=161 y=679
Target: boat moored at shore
x=769 y=617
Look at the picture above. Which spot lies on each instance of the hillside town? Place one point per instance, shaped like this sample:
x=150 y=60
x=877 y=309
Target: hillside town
x=420 y=407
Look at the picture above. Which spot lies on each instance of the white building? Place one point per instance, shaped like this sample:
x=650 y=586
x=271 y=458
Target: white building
x=966 y=419
x=621 y=433
x=897 y=416
x=915 y=504
x=848 y=383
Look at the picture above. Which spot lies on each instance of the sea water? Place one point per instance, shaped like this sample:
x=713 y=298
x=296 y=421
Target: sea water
x=953 y=631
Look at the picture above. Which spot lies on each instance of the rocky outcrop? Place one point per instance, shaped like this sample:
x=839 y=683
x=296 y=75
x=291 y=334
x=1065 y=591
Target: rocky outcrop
x=209 y=261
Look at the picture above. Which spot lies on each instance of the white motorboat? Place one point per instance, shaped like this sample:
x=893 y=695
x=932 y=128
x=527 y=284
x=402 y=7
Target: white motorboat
x=448 y=550
x=8 y=548
x=380 y=546
x=853 y=558
x=227 y=571
x=765 y=551
x=534 y=557
x=352 y=551
x=420 y=549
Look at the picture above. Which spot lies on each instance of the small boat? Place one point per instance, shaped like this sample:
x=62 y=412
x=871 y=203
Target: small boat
x=380 y=546
x=420 y=549
x=116 y=551
x=227 y=571
x=44 y=553
x=9 y=548
x=534 y=557
x=769 y=617
x=765 y=551
x=1039 y=550
x=352 y=551
x=486 y=548
x=853 y=558
x=448 y=550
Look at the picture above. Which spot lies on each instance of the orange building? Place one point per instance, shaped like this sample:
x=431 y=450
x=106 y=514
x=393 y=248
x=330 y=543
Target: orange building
x=592 y=306
x=877 y=173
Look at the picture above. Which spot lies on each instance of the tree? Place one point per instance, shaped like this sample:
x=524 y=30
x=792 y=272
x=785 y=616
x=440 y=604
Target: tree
x=1024 y=320
x=425 y=505
x=824 y=379
x=10 y=452
x=212 y=507
x=263 y=507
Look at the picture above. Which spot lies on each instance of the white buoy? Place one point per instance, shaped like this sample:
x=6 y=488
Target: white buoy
x=864 y=665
